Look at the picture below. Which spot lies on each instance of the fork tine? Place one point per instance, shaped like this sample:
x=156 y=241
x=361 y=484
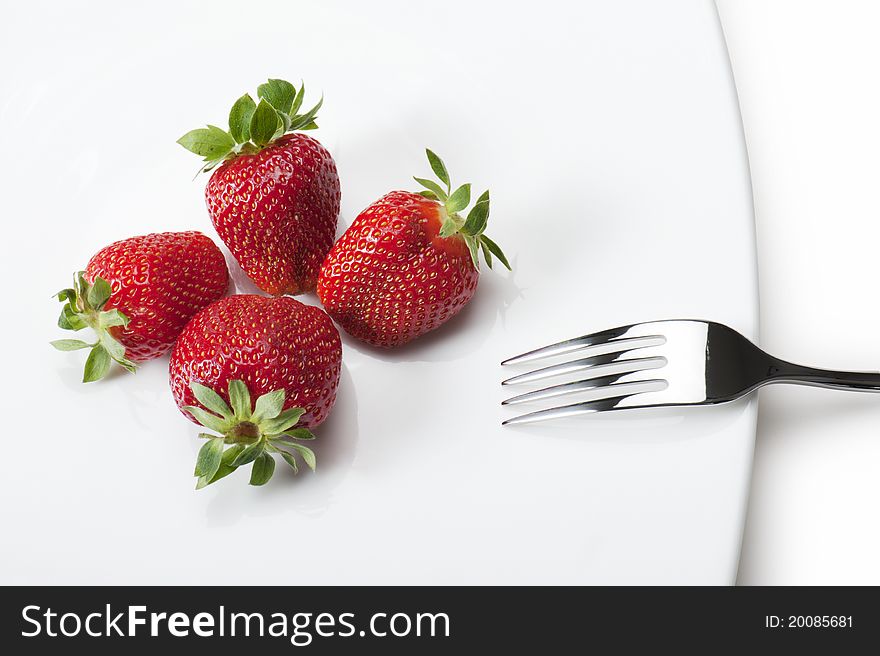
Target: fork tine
x=578 y=343
x=620 y=391
x=598 y=365
x=574 y=387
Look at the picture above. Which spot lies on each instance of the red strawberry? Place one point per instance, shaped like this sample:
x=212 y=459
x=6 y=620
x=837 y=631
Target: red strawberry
x=274 y=199
x=408 y=263
x=287 y=353
x=137 y=295
x=269 y=343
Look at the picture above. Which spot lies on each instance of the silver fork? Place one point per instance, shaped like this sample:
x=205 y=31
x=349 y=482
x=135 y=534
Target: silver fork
x=664 y=363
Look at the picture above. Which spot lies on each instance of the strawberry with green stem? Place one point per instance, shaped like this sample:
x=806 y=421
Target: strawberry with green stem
x=471 y=229
x=254 y=433
x=284 y=352
x=270 y=344
x=409 y=262
x=84 y=307
x=274 y=193
x=137 y=295
x=253 y=126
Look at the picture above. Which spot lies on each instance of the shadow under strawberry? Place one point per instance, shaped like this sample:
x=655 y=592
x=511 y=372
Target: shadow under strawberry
x=335 y=448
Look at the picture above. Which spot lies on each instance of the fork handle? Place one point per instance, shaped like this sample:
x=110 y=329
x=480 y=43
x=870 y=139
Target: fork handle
x=781 y=371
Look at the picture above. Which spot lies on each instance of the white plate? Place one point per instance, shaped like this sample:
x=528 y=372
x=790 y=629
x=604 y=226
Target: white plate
x=610 y=137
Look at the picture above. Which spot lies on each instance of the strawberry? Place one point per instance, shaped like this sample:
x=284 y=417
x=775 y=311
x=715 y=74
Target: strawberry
x=286 y=353
x=137 y=295
x=408 y=263
x=274 y=196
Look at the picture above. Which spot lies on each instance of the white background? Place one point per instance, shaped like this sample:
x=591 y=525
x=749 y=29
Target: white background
x=807 y=76
x=639 y=169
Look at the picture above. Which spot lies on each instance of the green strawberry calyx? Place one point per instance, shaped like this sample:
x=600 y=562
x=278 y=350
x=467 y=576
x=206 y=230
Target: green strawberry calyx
x=85 y=307
x=473 y=226
x=252 y=433
x=252 y=125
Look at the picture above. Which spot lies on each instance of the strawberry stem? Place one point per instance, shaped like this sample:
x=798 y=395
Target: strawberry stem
x=252 y=125
x=253 y=431
x=471 y=228
x=84 y=307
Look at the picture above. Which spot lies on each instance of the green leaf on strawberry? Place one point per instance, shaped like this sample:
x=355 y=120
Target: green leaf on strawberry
x=208 y=461
x=85 y=307
x=296 y=434
x=99 y=293
x=240 y=118
x=278 y=93
x=306 y=121
x=471 y=229
x=252 y=125
x=290 y=460
x=210 y=142
x=70 y=344
x=307 y=454
x=223 y=470
x=240 y=398
x=253 y=432
x=268 y=405
x=439 y=168
x=264 y=467
x=112 y=318
x=248 y=454
x=211 y=400
x=459 y=199
x=478 y=217
x=495 y=250
x=284 y=421
x=264 y=123
x=433 y=187
x=298 y=100
x=97 y=364
x=487 y=254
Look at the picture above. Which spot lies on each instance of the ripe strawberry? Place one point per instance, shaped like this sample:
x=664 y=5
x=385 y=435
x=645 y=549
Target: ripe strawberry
x=269 y=343
x=287 y=353
x=408 y=263
x=137 y=295
x=274 y=198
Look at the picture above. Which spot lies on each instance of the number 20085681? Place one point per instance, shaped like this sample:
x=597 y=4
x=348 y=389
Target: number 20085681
x=808 y=622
